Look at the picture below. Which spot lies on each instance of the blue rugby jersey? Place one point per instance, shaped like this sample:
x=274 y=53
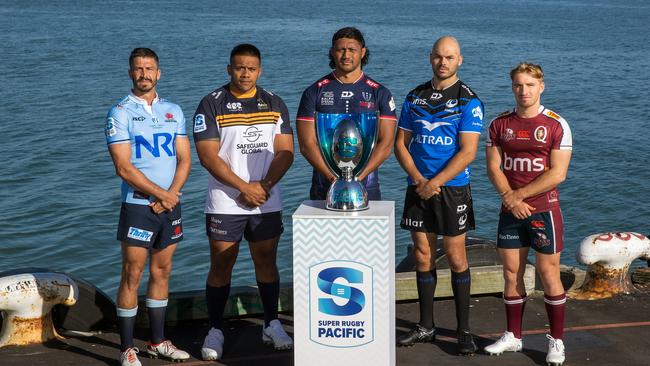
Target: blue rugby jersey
x=151 y=131
x=436 y=118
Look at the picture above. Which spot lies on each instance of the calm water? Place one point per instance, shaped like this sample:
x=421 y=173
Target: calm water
x=62 y=64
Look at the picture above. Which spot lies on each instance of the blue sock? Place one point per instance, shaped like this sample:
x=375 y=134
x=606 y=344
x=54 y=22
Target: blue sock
x=126 y=322
x=156 y=310
x=270 y=293
x=216 y=299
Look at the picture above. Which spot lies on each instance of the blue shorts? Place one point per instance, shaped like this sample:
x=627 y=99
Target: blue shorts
x=543 y=231
x=139 y=226
x=231 y=228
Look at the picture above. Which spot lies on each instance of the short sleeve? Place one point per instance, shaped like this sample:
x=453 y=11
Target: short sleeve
x=205 y=122
x=405 y=121
x=386 y=104
x=181 y=129
x=117 y=126
x=472 y=117
x=492 y=139
x=284 y=122
x=307 y=106
x=562 y=138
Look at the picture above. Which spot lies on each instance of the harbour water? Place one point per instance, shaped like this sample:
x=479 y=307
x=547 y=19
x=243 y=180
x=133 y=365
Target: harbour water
x=64 y=63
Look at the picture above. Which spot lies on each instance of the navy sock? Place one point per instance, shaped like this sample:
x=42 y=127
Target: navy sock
x=126 y=322
x=460 y=285
x=270 y=293
x=156 y=310
x=216 y=298
x=426 y=284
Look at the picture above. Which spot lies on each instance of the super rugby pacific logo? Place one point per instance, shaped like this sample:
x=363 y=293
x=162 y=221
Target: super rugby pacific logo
x=341 y=304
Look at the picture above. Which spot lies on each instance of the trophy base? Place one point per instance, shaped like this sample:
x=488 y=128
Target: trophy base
x=347 y=195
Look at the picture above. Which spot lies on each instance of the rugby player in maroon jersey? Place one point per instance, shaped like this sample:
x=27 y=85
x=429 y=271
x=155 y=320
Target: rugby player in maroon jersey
x=528 y=153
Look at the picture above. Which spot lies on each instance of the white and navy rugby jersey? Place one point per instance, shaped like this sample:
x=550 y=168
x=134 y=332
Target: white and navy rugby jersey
x=436 y=118
x=246 y=128
x=151 y=131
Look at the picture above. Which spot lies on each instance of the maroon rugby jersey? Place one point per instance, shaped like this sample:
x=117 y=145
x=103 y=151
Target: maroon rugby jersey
x=526 y=144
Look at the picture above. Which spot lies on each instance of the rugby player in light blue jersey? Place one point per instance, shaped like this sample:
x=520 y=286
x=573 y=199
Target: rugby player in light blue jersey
x=151 y=152
x=439 y=129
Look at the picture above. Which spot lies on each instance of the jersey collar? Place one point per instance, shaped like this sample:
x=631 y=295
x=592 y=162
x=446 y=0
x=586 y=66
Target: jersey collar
x=142 y=101
x=354 y=82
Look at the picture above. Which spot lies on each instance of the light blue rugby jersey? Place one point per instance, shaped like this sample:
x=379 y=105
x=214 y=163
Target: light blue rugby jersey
x=152 y=132
x=436 y=118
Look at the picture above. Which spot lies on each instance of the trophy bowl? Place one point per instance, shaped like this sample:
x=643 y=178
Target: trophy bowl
x=346 y=142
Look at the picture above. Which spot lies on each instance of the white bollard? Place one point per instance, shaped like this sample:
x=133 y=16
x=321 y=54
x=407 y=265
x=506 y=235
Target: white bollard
x=608 y=256
x=26 y=300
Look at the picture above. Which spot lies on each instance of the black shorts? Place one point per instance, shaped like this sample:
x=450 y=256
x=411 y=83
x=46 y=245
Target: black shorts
x=139 y=226
x=449 y=213
x=231 y=228
x=543 y=231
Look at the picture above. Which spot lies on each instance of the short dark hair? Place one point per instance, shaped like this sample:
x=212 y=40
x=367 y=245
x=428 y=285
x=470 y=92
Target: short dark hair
x=245 y=49
x=142 y=52
x=353 y=33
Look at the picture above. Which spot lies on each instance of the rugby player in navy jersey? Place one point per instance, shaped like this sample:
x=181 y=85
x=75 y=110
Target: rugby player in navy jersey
x=346 y=90
x=439 y=129
x=528 y=153
x=244 y=140
x=148 y=144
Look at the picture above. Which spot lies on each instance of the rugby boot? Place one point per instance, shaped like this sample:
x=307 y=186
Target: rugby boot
x=507 y=343
x=129 y=357
x=417 y=334
x=212 y=349
x=466 y=345
x=166 y=349
x=555 y=355
x=275 y=335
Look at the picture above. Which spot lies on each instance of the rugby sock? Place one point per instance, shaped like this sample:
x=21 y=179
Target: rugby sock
x=270 y=293
x=460 y=285
x=555 y=309
x=156 y=310
x=426 y=283
x=126 y=322
x=515 y=313
x=216 y=298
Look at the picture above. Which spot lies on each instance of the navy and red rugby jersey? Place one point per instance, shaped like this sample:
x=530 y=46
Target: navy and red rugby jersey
x=330 y=95
x=526 y=145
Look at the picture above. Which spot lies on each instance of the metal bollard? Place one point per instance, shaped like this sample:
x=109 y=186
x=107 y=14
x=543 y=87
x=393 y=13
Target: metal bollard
x=608 y=256
x=26 y=300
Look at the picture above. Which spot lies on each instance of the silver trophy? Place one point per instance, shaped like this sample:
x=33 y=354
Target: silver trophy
x=346 y=142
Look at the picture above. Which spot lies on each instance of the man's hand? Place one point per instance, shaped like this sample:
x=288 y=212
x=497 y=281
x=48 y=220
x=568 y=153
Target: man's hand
x=253 y=195
x=169 y=200
x=426 y=189
x=157 y=207
x=522 y=210
x=511 y=199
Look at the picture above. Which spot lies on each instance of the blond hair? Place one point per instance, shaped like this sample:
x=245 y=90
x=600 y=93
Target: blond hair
x=530 y=68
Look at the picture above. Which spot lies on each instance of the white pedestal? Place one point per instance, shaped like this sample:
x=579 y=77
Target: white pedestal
x=344 y=285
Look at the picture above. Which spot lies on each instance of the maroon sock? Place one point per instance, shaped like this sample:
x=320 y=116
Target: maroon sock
x=515 y=313
x=555 y=310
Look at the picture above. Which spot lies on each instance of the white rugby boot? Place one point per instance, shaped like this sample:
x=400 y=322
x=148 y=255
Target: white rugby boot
x=166 y=350
x=275 y=335
x=507 y=343
x=129 y=357
x=555 y=355
x=212 y=349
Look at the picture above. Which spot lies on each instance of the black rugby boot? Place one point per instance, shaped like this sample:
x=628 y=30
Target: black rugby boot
x=466 y=345
x=418 y=334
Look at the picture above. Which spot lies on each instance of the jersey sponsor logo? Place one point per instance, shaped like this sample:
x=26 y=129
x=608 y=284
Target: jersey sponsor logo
x=523 y=135
x=138 y=119
x=467 y=89
x=178 y=232
x=552 y=196
x=216 y=95
x=177 y=222
x=234 y=106
x=541 y=240
x=508 y=237
x=418 y=101
x=199 y=123
x=433 y=140
x=435 y=96
x=462 y=221
x=366 y=96
x=327 y=98
x=110 y=127
x=552 y=114
x=477 y=112
x=169 y=118
x=391 y=104
x=451 y=103
x=522 y=164
x=139 y=234
x=508 y=135
x=540 y=134
x=262 y=106
x=413 y=223
x=323 y=82
x=461 y=208
x=252 y=134
x=537 y=224
x=369 y=105
x=346 y=94
x=161 y=141
x=372 y=84
x=430 y=126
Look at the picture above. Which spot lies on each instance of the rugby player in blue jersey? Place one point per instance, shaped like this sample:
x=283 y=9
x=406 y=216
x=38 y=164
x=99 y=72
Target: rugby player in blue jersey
x=244 y=140
x=439 y=129
x=346 y=90
x=151 y=152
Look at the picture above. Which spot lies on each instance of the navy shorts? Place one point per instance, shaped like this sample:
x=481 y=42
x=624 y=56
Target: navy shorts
x=139 y=226
x=449 y=213
x=231 y=228
x=543 y=231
